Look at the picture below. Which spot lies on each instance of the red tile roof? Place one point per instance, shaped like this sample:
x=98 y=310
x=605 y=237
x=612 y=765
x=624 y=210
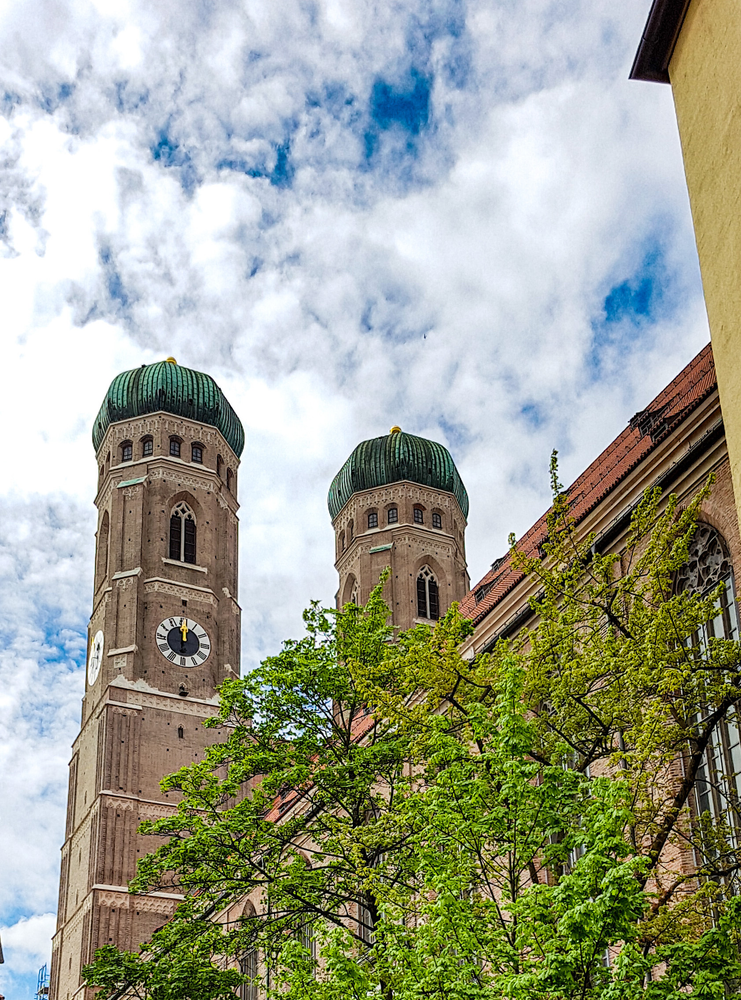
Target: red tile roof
x=644 y=432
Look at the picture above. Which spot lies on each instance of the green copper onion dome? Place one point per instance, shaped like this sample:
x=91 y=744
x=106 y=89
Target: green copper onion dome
x=392 y=458
x=168 y=386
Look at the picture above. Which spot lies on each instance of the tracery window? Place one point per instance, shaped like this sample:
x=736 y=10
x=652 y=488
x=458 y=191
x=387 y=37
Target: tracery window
x=392 y=515
x=718 y=783
x=428 y=595
x=182 y=533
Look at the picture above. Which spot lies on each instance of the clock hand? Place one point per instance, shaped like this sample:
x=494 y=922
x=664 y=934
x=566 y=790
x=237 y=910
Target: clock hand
x=184 y=630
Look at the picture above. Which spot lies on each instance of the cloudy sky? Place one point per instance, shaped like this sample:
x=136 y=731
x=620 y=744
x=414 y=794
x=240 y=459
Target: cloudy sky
x=454 y=215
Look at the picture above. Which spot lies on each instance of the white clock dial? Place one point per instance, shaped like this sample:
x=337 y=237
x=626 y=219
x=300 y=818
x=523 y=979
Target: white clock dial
x=96 y=657
x=183 y=642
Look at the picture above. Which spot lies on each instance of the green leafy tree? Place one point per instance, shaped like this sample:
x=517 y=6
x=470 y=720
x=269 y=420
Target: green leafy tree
x=413 y=824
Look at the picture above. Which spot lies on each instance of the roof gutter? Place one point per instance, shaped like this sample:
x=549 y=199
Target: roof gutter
x=659 y=38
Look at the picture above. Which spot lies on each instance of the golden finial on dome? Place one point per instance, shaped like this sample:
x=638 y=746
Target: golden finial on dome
x=395 y=430
x=171 y=360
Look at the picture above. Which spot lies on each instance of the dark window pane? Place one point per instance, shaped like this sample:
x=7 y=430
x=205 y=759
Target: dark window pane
x=421 y=598
x=190 y=541
x=437 y=521
x=434 y=600
x=174 y=447
x=373 y=519
x=418 y=516
x=393 y=515
x=147 y=447
x=176 y=527
x=197 y=453
x=126 y=453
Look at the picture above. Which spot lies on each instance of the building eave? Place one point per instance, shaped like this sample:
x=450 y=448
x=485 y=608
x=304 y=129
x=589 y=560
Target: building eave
x=659 y=37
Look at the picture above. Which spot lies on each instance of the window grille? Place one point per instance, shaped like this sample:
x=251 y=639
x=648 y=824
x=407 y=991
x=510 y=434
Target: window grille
x=248 y=967
x=428 y=596
x=393 y=515
x=182 y=533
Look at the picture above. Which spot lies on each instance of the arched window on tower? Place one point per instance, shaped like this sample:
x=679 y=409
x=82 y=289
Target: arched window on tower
x=147 y=446
x=718 y=782
x=182 y=533
x=175 y=447
x=196 y=453
x=127 y=451
x=428 y=595
x=219 y=466
x=102 y=551
x=229 y=480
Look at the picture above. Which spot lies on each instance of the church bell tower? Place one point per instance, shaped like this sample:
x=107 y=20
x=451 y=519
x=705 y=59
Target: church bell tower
x=399 y=502
x=164 y=633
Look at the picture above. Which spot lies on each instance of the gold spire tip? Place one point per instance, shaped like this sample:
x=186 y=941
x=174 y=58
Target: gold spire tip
x=171 y=360
x=395 y=430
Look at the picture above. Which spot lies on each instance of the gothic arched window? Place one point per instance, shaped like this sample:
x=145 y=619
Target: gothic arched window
x=437 y=519
x=175 y=447
x=718 y=782
x=392 y=515
x=147 y=445
x=102 y=553
x=127 y=451
x=428 y=595
x=196 y=453
x=182 y=533
x=372 y=518
x=419 y=515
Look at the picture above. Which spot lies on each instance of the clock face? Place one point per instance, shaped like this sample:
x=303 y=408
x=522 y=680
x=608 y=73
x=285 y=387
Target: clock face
x=96 y=657
x=183 y=642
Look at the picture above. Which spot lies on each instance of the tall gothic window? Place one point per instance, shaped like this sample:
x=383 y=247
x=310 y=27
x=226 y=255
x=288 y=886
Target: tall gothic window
x=428 y=596
x=182 y=533
x=102 y=553
x=718 y=784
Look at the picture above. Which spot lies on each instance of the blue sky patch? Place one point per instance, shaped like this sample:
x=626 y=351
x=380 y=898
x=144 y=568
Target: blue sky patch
x=170 y=153
x=407 y=107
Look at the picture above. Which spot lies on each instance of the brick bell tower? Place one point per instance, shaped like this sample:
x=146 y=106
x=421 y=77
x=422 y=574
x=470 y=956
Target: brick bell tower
x=164 y=633
x=398 y=501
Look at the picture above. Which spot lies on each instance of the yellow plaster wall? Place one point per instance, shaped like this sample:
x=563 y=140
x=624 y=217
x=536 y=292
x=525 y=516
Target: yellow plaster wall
x=705 y=73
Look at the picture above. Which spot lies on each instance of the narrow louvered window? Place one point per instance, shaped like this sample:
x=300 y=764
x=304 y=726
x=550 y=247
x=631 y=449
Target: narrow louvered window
x=176 y=534
x=189 y=547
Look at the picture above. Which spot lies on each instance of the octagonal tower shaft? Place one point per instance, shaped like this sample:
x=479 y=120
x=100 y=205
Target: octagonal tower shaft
x=166 y=551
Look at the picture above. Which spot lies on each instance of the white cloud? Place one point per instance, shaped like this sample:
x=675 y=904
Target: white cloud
x=211 y=182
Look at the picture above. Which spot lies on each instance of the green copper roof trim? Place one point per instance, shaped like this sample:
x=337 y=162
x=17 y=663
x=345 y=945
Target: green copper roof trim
x=130 y=482
x=392 y=459
x=174 y=389
x=382 y=548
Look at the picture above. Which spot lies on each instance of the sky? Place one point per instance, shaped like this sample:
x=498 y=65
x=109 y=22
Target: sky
x=458 y=216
